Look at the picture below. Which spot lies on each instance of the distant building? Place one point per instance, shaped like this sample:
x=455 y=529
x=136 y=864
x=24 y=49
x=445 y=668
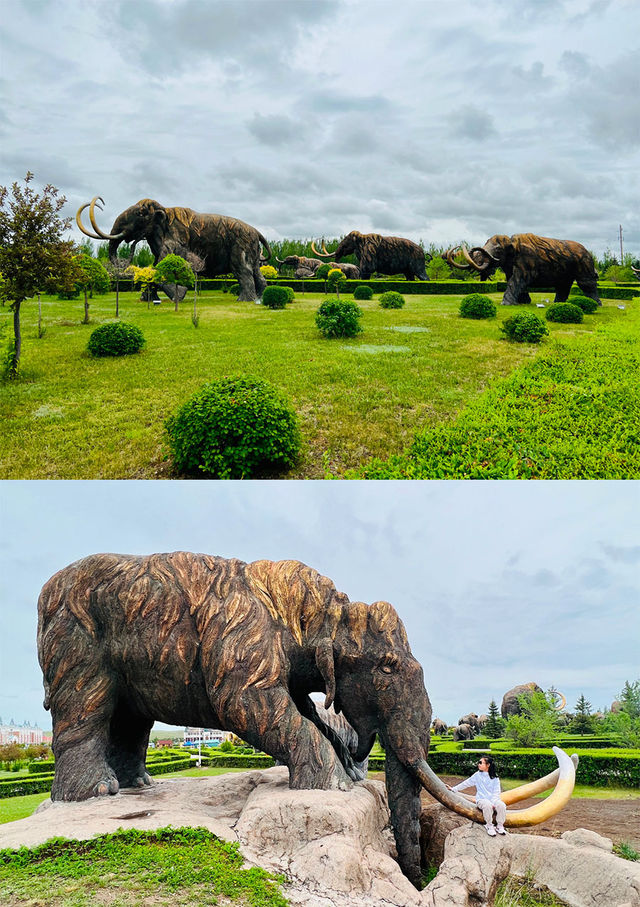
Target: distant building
x=204 y=736
x=21 y=733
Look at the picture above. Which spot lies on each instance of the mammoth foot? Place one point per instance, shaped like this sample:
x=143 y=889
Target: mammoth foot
x=142 y=781
x=102 y=788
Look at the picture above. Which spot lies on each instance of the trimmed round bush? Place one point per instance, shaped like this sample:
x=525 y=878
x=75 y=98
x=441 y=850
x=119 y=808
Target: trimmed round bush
x=524 y=328
x=362 y=291
x=476 y=305
x=339 y=318
x=565 y=312
x=234 y=428
x=116 y=339
x=391 y=300
x=291 y=293
x=586 y=303
x=235 y=289
x=268 y=272
x=275 y=297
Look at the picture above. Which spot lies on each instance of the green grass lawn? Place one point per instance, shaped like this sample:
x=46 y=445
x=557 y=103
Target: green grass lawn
x=70 y=416
x=163 y=867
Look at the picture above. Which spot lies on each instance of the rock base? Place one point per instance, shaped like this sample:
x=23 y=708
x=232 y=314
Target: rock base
x=336 y=848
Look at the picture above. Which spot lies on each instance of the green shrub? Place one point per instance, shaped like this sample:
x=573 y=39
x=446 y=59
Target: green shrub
x=234 y=428
x=235 y=289
x=339 y=318
x=362 y=291
x=291 y=293
x=565 y=312
x=391 y=300
x=524 y=328
x=116 y=339
x=588 y=305
x=276 y=297
x=475 y=305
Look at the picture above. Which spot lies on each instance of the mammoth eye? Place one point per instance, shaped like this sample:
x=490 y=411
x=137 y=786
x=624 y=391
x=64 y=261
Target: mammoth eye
x=387 y=669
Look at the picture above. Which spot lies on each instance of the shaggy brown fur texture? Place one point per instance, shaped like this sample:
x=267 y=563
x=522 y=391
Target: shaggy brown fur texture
x=383 y=255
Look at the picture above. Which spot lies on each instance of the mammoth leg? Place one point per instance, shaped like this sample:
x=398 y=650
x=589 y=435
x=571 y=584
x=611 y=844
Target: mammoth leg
x=403 y=792
x=524 y=298
x=81 y=719
x=562 y=291
x=308 y=709
x=270 y=721
x=259 y=281
x=516 y=286
x=243 y=270
x=127 y=747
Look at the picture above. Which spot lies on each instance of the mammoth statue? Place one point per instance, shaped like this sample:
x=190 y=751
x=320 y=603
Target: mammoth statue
x=440 y=727
x=636 y=271
x=382 y=254
x=194 y=639
x=226 y=245
x=307 y=267
x=482 y=720
x=531 y=261
x=463 y=732
x=472 y=720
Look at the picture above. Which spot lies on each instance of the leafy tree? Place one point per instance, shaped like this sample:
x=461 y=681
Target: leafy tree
x=438 y=269
x=174 y=269
x=145 y=278
x=322 y=273
x=226 y=747
x=92 y=277
x=494 y=727
x=537 y=722
x=629 y=699
x=197 y=266
x=583 y=721
x=335 y=280
x=33 y=254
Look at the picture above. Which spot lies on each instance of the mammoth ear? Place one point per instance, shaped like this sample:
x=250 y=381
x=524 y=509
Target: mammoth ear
x=324 y=663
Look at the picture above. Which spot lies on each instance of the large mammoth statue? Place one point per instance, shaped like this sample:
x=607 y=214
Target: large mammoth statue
x=204 y=641
x=299 y=263
x=440 y=727
x=225 y=244
x=531 y=261
x=306 y=267
x=636 y=271
x=472 y=720
x=382 y=254
x=463 y=732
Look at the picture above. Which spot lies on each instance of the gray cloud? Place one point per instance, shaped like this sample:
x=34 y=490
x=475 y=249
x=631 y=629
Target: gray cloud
x=469 y=122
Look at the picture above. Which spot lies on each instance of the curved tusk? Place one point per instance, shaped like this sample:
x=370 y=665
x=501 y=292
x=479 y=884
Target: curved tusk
x=636 y=271
x=92 y=218
x=324 y=254
x=534 y=787
x=533 y=815
x=81 y=226
x=471 y=261
x=449 y=256
x=280 y=260
x=552 y=805
x=562 y=701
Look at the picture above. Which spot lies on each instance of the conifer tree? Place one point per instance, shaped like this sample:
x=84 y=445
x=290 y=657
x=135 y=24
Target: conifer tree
x=495 y=726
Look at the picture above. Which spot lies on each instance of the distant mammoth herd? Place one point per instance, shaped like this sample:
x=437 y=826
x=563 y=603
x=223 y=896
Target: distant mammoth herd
x=193 y=639
x=227 y=245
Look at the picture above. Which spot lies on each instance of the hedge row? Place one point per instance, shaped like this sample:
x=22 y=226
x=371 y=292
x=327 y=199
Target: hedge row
x=46 y=766
x=425 y=288
x=587 y=742
x=233 y=760
x=23 y=786
x=162 y=767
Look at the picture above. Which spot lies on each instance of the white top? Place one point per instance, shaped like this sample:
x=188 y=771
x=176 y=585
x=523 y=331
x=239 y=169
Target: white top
x=486 y=788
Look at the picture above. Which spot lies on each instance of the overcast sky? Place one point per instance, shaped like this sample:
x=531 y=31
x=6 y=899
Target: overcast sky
x=498 y=583
x=432 y=120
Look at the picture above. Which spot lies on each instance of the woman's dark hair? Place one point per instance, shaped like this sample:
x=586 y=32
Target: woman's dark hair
x=492 y=766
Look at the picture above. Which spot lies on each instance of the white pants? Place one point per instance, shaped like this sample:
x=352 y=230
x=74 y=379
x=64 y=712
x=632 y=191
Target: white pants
x=488 y=806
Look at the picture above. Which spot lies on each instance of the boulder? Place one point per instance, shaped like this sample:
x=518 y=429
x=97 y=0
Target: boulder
x=510 y=705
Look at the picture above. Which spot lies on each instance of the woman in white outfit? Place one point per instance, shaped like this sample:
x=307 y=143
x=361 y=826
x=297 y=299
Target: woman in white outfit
x=487 y=785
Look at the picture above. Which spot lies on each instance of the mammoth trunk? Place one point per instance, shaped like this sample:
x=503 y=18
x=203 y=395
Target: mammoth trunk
x=403 y=792
x=113 y=249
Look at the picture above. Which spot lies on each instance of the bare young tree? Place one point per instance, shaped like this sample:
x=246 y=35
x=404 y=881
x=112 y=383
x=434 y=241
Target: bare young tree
x=197 y=266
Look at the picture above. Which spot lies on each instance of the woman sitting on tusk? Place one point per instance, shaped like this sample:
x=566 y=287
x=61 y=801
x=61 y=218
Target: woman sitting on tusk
x=487 y=785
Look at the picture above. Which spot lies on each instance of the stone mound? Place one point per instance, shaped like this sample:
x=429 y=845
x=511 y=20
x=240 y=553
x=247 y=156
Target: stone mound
x=336 y=848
